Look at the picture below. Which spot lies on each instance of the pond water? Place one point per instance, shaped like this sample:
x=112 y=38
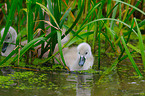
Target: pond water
x=120 y=82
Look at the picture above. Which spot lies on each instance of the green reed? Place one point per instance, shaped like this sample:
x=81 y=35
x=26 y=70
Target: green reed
x=87 y=20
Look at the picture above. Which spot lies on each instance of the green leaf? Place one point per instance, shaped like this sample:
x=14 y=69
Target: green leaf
x=28 y=46
x=103 y=19
x=90 y=13
x=10 y=55
x=77 y=38
x=9 y=19
x=42 y=6
x=130 y=57
x=131 y=6
x=77 y=19
x=64 y=17
x=141 y=43
x=60 y=47
x=30 y=22
x=133 y=47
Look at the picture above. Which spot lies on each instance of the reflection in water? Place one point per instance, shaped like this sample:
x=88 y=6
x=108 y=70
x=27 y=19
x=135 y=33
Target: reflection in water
x=82 y=86
x=67 y=84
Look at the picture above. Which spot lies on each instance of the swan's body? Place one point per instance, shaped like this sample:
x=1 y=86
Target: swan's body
x=79 y=58
x=10 y=40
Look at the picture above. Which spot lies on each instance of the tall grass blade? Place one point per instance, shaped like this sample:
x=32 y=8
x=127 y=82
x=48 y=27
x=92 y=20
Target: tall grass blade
x=126 y=56
x=130 y=57
x=107 y=38
x=78 y=17
x=77 y=38
x=49 y=13
x=113 y=16
x=9 y=19
x=129 y=33
x=10 y=55
x=64 y=17
x=99 y=49
x=111 y=32
x=141 y=43
x=134 y=48
x=108 y=7
x=120 y=12
x=90 y=13
x=28 y=46
x=41 y=25
x=126 y=11
x=136 y=5
x=50 y=6
x=30 y=20
x=8 y=6
x=103 y=19
x=131 y=6
x=60 y=48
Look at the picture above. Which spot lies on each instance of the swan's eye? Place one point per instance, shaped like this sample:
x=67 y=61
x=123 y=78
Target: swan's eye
x=86 y=53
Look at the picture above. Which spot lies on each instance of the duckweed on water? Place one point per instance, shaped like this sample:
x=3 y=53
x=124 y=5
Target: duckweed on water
x=88 y=71
x=6 y=82
x=26 y=80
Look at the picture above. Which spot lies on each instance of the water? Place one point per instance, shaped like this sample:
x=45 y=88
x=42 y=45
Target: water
x=121 y=82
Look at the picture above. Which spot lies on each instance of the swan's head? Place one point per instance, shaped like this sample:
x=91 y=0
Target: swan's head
x=9 y=39
x=84 y=52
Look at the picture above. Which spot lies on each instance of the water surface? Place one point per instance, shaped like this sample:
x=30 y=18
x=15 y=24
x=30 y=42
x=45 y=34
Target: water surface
x=121 y=82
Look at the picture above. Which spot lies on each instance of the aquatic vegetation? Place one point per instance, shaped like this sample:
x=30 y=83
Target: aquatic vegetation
x=108 y=26
x=26 y=80
x=6 y=81
x=91 y=71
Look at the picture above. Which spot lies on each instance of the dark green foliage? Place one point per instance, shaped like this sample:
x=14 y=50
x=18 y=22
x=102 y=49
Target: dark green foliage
x=85 y=20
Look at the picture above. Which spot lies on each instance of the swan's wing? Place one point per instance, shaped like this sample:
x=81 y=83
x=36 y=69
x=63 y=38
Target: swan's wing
x=70 y=56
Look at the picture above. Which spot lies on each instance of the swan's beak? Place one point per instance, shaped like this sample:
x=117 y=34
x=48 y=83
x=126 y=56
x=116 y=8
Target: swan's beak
x=5 y=45
x=82 y=60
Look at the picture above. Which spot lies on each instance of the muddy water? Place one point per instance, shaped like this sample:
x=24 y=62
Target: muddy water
x=121 y=82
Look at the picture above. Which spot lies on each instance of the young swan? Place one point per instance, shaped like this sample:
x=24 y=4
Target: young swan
x=79 y=58
x=10 y=40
